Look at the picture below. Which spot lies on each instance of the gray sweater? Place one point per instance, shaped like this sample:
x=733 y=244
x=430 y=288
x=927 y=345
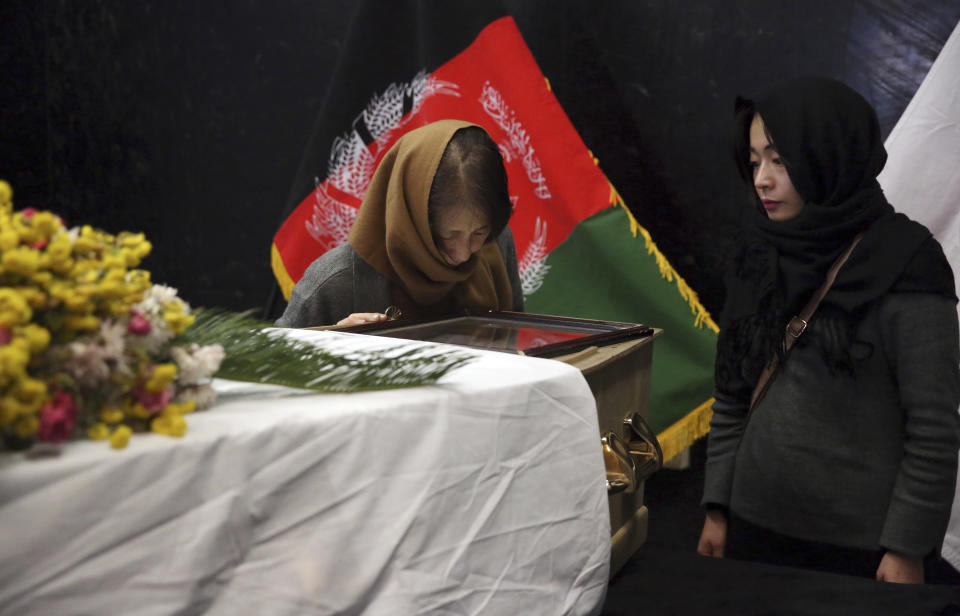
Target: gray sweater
x=340 y=283
x=866 y=460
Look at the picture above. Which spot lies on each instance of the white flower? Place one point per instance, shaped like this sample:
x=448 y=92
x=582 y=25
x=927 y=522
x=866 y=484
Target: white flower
x=86 y=363
x=159 y=336
x=155 y=303
x=195 y=363
x=203 y=396
x=111 y=335
x=155 y=299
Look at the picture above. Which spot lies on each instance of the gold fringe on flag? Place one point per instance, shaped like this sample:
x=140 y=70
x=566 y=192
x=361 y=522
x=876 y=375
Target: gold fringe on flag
x=682 y=433
x=695 y=424
x=702 y=317
x=280 y=272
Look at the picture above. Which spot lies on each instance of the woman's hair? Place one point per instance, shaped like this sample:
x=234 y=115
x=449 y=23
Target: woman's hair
x=740 y=137
x=745 y=111
x=471 y=173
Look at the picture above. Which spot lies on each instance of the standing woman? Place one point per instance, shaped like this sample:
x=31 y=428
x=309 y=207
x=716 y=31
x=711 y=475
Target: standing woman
x=430 y=238
x=848 y=462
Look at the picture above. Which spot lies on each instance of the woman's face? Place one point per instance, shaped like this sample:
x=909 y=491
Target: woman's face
x=460 y=231
x=774 y=187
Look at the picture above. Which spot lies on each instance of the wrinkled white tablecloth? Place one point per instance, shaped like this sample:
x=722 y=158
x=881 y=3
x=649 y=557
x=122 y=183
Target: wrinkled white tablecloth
x=482 y=495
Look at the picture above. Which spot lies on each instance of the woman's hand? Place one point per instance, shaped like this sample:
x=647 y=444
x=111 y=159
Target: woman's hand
x=361 y=318
x=900 y=568
x=713 y=537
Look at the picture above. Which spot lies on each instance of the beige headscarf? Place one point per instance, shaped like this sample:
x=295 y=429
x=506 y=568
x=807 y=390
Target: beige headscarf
x=392 y=230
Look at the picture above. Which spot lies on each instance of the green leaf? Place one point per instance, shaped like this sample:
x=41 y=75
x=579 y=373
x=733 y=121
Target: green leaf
x=258 y=356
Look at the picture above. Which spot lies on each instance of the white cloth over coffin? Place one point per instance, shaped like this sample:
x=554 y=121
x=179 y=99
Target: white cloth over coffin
x=922 y=179
x=484 y=494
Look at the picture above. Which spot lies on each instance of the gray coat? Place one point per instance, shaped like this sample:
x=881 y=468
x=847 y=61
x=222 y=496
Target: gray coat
x=867 y=459
x=340 y=283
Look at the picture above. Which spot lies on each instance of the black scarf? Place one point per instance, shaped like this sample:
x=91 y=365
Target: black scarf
x=829 y=139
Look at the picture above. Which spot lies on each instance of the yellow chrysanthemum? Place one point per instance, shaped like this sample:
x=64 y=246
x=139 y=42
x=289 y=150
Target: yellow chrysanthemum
x=99 y=432
x=81 y=322
x=42 y=278
x=89 y=241
x=59 y=248
x=178 y=322
x=134 y=247
x=116 y=280
x=59 y=291
x=139 y=411
x=9 y=410
x=9 y=239
x=46 y=223
x=76 y=299
x=24 y=228
x=13 y=363
x=6 y=196
x=86 y=273
x=120 y=307
x=21 y=260
x=182 y=408
x=169 y=423
x=162 y=377
x=120 y=437
x=26 y=425
x=36 y=337
x=14 y=309
x=111 y=415
x=139 y=280
x=31 y=393
x=34 y=297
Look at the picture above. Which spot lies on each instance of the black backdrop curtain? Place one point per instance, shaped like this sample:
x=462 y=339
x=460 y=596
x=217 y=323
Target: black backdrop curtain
x=189 y=121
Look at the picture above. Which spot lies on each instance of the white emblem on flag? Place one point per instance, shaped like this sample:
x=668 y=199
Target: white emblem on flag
x=331 y=220
x=533 y=265
x=519 y=146
x=352 y=162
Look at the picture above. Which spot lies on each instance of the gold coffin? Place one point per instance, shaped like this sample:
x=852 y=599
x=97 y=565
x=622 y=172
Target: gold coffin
x=619 y=376
x=615 y=358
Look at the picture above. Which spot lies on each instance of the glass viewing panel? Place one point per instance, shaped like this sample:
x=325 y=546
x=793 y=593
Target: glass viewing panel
x=512 y=332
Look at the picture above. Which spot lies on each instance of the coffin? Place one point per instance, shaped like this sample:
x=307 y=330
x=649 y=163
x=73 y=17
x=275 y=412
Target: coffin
x=616 y=360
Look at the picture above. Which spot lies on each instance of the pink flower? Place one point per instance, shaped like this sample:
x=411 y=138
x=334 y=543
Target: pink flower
x=150 y=401
x=6 y=335
x=138 y=325
x=29 y=212
x=57 y=418
x=39 y=245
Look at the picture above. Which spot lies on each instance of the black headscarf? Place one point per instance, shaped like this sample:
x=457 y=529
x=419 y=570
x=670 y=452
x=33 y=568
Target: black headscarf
x=829 y=139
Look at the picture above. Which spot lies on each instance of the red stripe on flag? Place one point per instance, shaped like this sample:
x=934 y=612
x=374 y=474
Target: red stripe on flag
x=496 y=83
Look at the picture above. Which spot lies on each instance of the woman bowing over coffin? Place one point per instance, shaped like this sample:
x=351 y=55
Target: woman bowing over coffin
x=430 y=238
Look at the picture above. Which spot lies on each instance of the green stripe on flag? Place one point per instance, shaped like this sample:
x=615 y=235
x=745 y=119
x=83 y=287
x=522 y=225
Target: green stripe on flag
x=603 y=271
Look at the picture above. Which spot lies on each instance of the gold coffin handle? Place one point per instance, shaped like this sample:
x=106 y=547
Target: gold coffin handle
x=643 y=446
x=621 y=469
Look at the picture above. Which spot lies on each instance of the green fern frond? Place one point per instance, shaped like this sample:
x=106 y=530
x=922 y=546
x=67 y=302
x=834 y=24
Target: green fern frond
x=255 y=355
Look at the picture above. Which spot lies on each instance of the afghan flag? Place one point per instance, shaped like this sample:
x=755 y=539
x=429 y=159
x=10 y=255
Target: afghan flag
x=581 y=252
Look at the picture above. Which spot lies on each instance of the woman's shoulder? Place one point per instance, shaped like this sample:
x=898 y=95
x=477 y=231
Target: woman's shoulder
x=505 y=242
x=335 y=261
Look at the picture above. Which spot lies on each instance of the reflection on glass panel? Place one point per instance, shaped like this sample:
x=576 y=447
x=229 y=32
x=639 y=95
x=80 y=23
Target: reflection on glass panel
x=487 y=334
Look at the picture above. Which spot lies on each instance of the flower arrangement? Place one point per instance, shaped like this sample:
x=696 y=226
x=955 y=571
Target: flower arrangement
x=88 y=345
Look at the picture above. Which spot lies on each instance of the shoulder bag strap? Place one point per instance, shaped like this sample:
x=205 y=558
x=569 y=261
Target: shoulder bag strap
x=798 y=325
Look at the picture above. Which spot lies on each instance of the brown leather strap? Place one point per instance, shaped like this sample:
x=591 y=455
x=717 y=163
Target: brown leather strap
x=798 y=325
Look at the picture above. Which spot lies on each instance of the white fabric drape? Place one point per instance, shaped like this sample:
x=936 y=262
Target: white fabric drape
x=922 y=179
x=483 y=494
